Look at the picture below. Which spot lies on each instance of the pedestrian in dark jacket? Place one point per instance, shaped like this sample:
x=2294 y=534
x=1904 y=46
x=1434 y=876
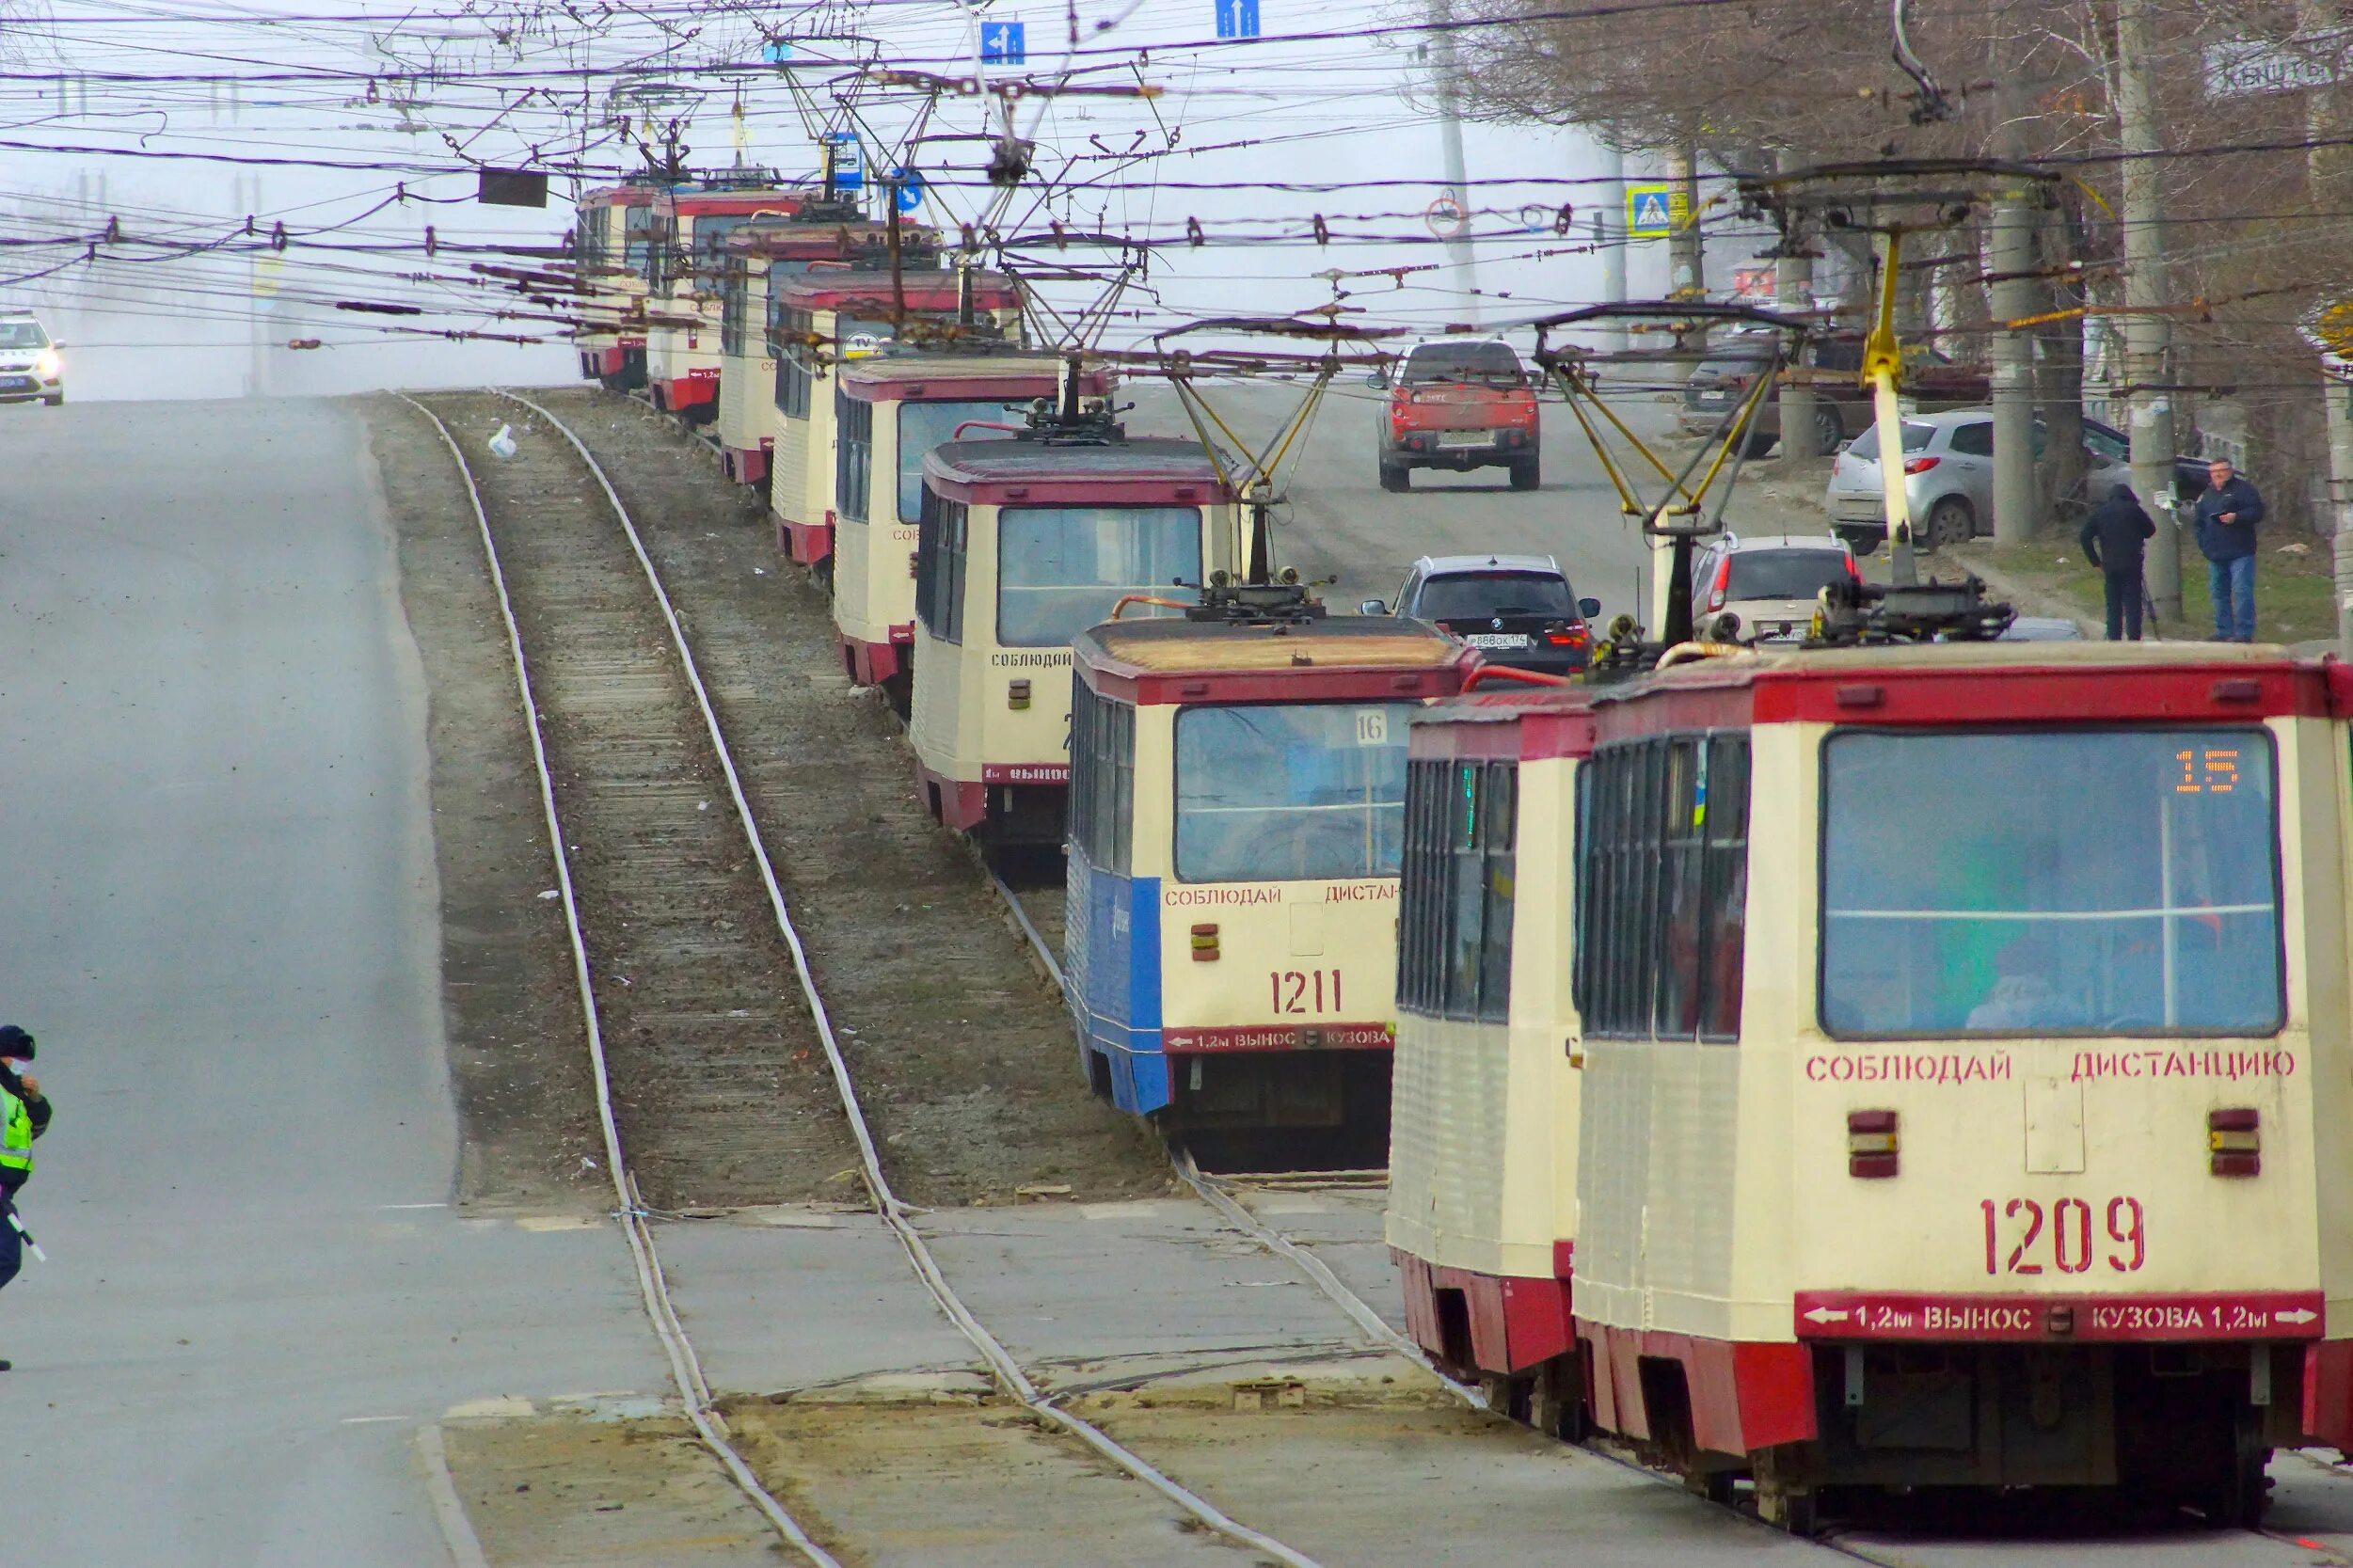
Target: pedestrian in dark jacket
x=2112 y=537
x=23 y=1117
x=2227 y=514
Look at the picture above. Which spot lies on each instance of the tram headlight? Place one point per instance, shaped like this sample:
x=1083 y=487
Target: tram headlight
x=1872 y=1144
x=1017 y=694
x=1205 y=944
x=2234 y=1142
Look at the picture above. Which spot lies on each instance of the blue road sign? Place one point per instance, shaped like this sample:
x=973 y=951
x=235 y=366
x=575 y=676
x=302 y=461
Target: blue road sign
x=909 y=186
x=1649 y=211
x=849 y=169
x=777 y=53
x=1237 y=18
x=1004 y=44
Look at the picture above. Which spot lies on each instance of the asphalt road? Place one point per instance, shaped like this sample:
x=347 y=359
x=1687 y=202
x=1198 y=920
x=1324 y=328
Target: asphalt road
x=222 y=928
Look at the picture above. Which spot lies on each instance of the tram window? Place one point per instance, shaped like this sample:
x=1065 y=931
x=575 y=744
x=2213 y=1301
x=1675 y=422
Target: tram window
x=925 y=425
x=2133 y=888
x=1290 y=792
x=1061 y=568
x=939 y=548
x=853 y=455
x=793 y=375
x=1103 y=778
x=1661 y=887
x=589 y=236
x=635 y=235
x=1455 y=909
x=731 y=303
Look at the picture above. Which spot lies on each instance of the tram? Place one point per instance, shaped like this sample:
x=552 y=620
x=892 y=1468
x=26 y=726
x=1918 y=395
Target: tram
x=1957 y=1036
x=852 y=317
x=1021 y=546
x=609 y=233
x=1483 y=1140
x=755 y=260
x=1237 y=810
x=890 y=410
x=683 y=270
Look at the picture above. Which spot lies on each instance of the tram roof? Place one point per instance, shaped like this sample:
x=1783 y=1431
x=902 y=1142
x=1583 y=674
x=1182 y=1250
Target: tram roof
x=1339 y=659
x=616 y=196
x=932 y=291
x=1941 y=684
x=729 y=203
x=916 y=373
x=786 y=238
x=1144 y=471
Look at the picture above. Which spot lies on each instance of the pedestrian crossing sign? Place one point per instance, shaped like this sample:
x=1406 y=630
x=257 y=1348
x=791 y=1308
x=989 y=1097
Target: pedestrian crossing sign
x=1650 y=211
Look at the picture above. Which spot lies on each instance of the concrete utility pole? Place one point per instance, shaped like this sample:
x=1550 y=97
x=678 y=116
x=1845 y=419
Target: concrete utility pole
x=1459 y=254
x=1686 y=268
x=2148 y=335
x=1792 y=294
x=2014 y=292
x=1613 y=249
x=2330 y=174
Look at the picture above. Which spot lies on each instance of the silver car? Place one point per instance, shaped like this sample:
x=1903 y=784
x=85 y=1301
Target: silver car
x=1771 y=582
x=1949 y=459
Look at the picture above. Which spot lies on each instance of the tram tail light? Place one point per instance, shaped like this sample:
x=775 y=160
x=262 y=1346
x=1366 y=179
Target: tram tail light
x=1205 y=944
x=1017 y=694
x=2234 y=1142
x=1872 y=1148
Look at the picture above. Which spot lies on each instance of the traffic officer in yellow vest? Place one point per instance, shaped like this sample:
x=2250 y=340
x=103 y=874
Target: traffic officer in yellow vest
x=23 y=1117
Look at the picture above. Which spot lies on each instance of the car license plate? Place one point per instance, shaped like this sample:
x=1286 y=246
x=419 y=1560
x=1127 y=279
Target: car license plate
x=1496 y=640
x=1712 y=397
x=1467 y=438
x=17 y=383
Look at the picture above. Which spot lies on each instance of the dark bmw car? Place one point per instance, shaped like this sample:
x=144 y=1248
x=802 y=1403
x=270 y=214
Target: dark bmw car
x=1516 y=610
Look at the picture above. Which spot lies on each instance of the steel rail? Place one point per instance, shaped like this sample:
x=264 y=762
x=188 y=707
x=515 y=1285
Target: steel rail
x=1237 y=1214
x=686 y=1372
x=1004 y=1368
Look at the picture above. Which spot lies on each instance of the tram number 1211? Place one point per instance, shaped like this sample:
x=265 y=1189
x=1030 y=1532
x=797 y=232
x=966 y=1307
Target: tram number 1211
x=2062 y=1236
x=1305 y=990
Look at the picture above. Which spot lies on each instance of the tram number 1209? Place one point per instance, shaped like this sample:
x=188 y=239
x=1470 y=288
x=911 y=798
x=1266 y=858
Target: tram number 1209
x=1305 y=990
x=2020 y=1236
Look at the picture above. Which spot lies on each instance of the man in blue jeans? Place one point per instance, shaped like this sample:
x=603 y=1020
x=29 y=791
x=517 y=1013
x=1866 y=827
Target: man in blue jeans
x=2227 y=516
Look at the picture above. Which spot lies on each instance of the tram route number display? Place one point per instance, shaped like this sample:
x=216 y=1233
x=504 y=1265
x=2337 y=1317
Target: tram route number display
x=1300 y=991
x=2023 y=1236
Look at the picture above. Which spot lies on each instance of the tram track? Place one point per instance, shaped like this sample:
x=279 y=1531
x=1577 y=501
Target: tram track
x=575 y=847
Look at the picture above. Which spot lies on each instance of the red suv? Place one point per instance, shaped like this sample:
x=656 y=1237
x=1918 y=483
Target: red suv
x=1460 y=404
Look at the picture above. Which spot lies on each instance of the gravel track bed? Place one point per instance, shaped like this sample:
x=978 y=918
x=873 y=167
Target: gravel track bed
x=719 y=1083
x=962 y=1055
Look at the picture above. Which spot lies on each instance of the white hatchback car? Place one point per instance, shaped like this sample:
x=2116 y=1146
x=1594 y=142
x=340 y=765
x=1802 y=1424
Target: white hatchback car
x=30 y=364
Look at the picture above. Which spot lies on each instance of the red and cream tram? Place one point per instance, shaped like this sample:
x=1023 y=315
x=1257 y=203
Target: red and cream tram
x=850 y=316
x=890 y=410
x=610 y=238
x=684 y=267
x=1956 y=1064
x=1022 y=546
x=756 y=260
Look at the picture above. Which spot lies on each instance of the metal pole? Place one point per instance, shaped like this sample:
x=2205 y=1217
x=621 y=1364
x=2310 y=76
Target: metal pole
x=2330 y=177
x=2148 y=335
x=1459 y=256
x=1687 y=269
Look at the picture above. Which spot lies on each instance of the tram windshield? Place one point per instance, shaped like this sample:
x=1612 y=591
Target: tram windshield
x=925 y=425
x=2082 y=882
x=1291 y=792
x=1061 y=568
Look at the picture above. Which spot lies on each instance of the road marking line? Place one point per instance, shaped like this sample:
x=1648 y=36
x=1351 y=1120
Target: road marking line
x=557 y=1222
x=457 y=1531
x=369 y=1421
x=382 y=1206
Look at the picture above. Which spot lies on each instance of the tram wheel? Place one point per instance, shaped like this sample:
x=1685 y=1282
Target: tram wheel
x=2240 y=1490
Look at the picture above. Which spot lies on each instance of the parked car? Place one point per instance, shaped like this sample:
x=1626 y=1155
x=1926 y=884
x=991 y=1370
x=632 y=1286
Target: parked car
x=1770 y=582
x=1518 y=609
x=31 y=364
x=1949 y=460
x=1459 y=403
x=1842 y=405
